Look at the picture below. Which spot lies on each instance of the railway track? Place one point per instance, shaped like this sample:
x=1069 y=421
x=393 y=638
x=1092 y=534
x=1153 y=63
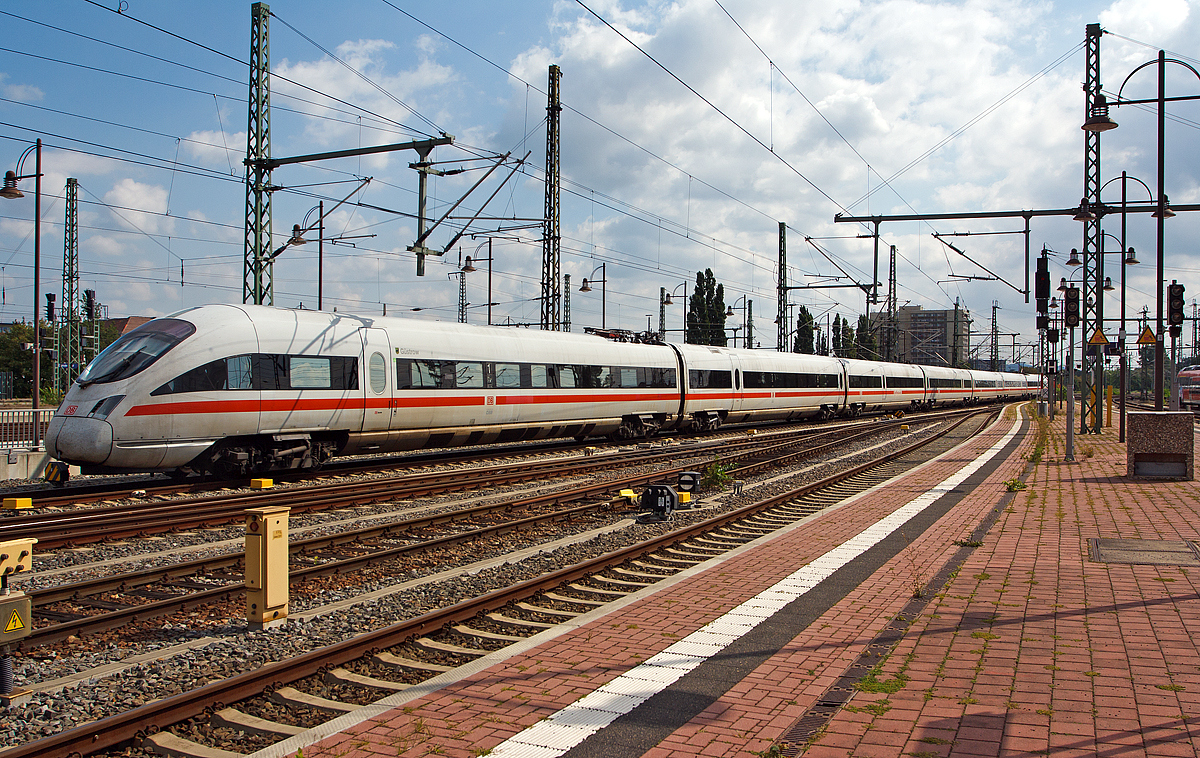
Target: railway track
x=75 y=494
x=109 y=602
x=82 y=526
x=339 y=678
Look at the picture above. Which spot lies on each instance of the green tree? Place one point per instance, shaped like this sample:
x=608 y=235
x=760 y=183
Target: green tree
x=706 y=312
x=866 y=342
x=849 y=347
x=805 y=328
x=16 y=358
x=835 y=336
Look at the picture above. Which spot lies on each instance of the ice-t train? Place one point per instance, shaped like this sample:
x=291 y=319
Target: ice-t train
x=241 y=389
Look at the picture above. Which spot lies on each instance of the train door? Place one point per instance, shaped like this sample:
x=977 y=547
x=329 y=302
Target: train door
x=737 y=401
x=376 y=380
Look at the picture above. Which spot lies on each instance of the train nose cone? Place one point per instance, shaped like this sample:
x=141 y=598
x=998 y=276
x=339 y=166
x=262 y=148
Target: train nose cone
x=78 y=439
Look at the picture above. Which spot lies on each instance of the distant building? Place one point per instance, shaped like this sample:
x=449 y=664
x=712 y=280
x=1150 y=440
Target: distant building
x=128 y=324
x=926 y=337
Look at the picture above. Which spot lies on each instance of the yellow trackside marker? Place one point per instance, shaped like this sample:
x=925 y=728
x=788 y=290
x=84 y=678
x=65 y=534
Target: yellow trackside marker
x=15 y=624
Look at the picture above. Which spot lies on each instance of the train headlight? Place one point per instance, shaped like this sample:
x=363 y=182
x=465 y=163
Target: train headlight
x=101 y=409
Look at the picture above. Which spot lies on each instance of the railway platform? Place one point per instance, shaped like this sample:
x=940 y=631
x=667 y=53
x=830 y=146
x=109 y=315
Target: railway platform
x=995 y=601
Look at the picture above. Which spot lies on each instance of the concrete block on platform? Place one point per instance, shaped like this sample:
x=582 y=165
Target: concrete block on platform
x=1160 y=445
x=26 y=464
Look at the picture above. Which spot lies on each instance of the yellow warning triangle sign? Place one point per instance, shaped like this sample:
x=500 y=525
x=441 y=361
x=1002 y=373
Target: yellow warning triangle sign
x=1098 y=338
x=15 y=624
x=1147 y=337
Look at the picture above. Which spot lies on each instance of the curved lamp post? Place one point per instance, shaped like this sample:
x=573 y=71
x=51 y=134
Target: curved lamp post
x=664 y=299
x=588 y=281
x=11 y=192
x=1098 y=121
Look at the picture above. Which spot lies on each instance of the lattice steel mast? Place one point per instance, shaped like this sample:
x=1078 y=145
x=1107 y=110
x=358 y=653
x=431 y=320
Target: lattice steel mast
x=70 y=329
x=552 y=238
x=1091 y=302
x=781 y=314
x=256 y=285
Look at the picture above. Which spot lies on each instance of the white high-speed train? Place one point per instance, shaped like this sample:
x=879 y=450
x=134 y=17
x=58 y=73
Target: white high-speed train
x=240 y=389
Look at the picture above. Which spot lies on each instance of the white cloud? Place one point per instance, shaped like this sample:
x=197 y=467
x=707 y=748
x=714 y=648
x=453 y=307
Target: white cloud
x=397 y=94
x=138 y=206
x=222 y=150
x=26 y=93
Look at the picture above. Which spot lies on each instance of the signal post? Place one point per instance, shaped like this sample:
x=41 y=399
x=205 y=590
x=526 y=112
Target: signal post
x=16 y=619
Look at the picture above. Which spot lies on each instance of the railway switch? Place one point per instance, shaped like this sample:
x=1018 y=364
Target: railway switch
x=266 y=566
x=16 y=615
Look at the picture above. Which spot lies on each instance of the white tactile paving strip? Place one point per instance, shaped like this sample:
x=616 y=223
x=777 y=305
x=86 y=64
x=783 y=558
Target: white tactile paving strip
x=555 y=735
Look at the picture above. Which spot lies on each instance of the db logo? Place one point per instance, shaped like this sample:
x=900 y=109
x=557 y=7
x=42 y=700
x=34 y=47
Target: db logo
x=70 y=411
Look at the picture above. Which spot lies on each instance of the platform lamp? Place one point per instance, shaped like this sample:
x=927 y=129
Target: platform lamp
x=1163 y=211
x=747 y=306
x=665 y=299
x=587 y=287
x=11 y=192
x=469 y=267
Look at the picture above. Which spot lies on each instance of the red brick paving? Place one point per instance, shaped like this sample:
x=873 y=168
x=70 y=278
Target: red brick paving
x=1031 y=650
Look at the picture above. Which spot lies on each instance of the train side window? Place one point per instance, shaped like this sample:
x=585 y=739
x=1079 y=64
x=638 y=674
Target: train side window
x=432 y=374
x=468 y=375
x=508 y=376
x=309 y=372
x=345 y=372
x=269 y=371
x=378 y=373
x=541 y=376
x=403 y=374
x=207 y=378
x=706 y=379
x=628 y=377
x=659 y=378
x=237 y=373
x=568 y=377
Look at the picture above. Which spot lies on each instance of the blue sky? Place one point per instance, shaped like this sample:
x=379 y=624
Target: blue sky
x=969 y=106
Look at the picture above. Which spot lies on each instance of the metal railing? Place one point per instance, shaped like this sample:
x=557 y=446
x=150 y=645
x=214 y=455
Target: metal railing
x=16 y=427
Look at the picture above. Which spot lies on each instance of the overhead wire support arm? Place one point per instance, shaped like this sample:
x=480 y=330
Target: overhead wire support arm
x=866 y=288
x=423 y=168
x=491 y=197
x=937 y=236
x=426 y=144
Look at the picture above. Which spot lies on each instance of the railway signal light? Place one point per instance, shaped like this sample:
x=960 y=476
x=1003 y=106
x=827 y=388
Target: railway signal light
x=89 y=304
x=50 y=307
x=1071 y=304
x=1175 y=304
x=1041 y=281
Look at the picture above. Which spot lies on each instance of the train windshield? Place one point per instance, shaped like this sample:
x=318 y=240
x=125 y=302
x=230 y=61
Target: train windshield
x=135 y=351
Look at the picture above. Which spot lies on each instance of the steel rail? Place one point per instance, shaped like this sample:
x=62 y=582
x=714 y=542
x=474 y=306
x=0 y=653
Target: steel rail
x=150 y=718
x=72 y=528
x=123 y=582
